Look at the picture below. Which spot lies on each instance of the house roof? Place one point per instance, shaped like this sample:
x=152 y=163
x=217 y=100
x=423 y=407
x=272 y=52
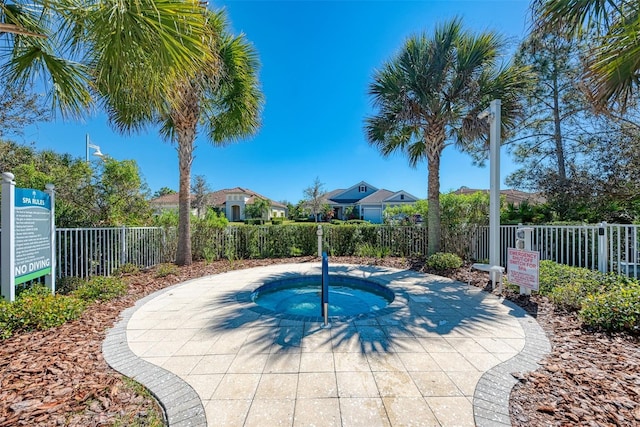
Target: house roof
x=167 y=199
x=377 y=197
x=337 y=193
x=511 y=196
x=216 y=198
x=333 y=193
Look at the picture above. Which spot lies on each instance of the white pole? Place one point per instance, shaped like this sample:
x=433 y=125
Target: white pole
x=8 y=260
x=494 y=183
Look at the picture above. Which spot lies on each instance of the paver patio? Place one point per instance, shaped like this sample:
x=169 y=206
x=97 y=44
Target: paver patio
x=441 y=355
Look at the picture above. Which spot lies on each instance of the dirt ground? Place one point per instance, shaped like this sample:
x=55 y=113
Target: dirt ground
x=58 y=377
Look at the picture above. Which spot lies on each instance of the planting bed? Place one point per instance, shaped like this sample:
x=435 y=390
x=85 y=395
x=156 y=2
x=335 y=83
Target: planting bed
x=58 y=377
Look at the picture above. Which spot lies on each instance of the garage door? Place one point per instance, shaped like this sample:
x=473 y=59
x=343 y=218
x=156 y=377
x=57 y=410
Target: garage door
x=373 y=215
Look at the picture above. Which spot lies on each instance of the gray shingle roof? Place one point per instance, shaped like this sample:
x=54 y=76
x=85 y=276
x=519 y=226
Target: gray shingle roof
x=377 y=197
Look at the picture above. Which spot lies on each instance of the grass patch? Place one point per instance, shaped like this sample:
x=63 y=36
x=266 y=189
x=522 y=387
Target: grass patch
x=145 y=416
x=167 y=269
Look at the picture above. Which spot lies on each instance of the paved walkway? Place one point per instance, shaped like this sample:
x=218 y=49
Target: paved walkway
x=440 y=355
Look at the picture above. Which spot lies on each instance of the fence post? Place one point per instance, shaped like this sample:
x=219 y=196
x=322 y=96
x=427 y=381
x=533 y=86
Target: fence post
x=319 y=233
x=123 y=245
x=603 y=261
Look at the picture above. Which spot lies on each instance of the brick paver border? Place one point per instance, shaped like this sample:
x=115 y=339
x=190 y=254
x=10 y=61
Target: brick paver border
x=491 y=397
x=180 y=403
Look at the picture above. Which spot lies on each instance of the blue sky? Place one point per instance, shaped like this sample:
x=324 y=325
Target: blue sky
x=318 y=58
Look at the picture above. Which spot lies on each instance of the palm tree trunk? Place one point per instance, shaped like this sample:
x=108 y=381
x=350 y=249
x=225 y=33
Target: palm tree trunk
x=433 y=203
x=185 y=157
x=185 y=121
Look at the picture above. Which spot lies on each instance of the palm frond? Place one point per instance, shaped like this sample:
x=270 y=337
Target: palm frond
x=233 y=110
x=429 y=95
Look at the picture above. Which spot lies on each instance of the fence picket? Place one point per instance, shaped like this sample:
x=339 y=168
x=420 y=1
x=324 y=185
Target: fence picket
x=83 y=252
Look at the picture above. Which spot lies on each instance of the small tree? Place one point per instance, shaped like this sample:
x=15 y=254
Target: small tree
x=314 y=197
x=327 y=212
x=121 y=194
x=200 y=189
x=163 y=192
x=258 y=209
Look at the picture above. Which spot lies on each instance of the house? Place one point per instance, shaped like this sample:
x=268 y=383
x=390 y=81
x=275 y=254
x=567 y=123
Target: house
x=511 y=196
x=231 y=202
x=364 y=201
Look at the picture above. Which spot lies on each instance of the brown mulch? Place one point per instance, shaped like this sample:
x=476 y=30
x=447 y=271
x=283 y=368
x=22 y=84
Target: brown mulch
x=58 y=377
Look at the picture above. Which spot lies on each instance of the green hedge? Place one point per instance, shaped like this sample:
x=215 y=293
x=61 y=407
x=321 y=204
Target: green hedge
x=277 y=241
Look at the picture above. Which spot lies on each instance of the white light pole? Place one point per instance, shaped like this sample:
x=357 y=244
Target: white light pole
x=95 y=147
x=493 y=114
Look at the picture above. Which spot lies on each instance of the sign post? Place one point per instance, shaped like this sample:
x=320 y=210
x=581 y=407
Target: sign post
x=28 y=236
x=8 y=260
x=523 y=269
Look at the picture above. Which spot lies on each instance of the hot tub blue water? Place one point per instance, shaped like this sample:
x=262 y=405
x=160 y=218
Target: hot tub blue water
x=300 y=296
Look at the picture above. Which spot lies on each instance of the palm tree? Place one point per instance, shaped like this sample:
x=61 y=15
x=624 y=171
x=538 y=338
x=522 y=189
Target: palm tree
x=429 y=96
x=223 y=96
x=613 y=65
x=75 y=47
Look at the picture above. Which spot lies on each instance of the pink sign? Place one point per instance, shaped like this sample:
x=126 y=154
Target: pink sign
x=523 y=268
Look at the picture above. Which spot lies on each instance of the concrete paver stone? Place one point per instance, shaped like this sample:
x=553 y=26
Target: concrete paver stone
x=440 y=354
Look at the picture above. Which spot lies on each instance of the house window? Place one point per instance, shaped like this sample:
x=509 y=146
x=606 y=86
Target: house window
x=402 y=197
x=362 y=189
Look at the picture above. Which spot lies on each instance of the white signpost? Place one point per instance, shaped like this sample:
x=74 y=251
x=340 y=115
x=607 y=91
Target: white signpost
x=523 y=268
x=28 y=236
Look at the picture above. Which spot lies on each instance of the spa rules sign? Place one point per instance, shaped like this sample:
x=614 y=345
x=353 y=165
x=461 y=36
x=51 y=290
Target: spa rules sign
x=27 y=240
x=32 y=234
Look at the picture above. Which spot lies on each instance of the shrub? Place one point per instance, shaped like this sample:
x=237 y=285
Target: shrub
x=277 y=221
x=126 y=269
x=553 y=275
x=441 y=261
x=254 y=221
x=369 y=250
x=37 y=309
x=567 y=296
x=357 y=221
x=615 y=310
x=164 y=270
x=68 y=284
x=207 y=236
x=567 y=286
x=100 y=288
